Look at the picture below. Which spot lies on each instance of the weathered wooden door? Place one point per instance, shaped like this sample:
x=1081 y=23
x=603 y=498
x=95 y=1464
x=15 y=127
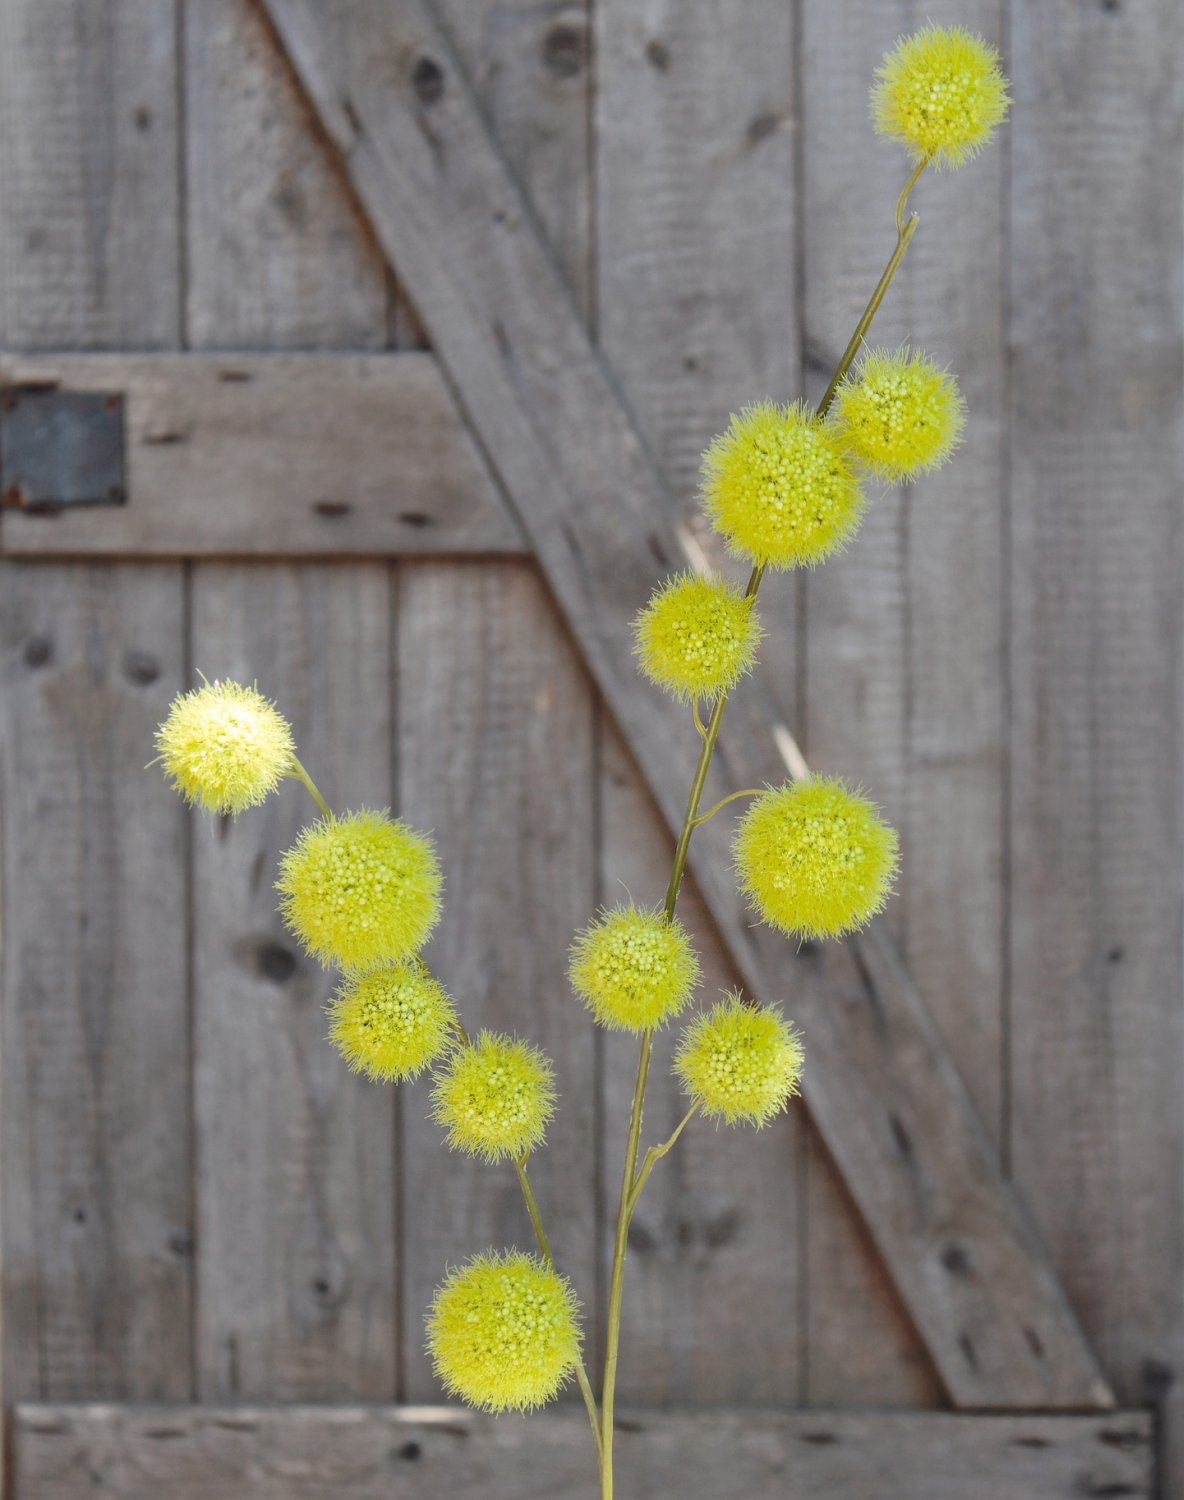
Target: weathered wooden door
x=303 y=293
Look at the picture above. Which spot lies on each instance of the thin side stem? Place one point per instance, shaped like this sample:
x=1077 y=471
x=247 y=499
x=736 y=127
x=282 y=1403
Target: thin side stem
x=298 y=773
x=655 y=1154
x=749 y=791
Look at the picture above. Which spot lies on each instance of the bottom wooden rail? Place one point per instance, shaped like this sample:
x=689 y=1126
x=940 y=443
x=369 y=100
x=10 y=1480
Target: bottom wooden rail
x=124 y=1452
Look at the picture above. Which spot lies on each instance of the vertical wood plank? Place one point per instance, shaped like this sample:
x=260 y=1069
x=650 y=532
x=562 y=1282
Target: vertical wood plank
x=1097 y=1024
x=97 y=1237
x=297 y=1159
x=296 y=1211
x=904 y=631
x=496 y=756
x=696 y=271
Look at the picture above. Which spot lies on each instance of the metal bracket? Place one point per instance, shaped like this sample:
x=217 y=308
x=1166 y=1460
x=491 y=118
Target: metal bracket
x=60 y=448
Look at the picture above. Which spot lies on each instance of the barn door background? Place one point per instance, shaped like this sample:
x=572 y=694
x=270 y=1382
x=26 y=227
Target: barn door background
x=199 y=1205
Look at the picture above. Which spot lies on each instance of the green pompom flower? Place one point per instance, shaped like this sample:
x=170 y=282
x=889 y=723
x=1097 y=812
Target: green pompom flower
x=779 y=488
x=360 y=890
x=739 y=1061
x=633 y=968
x=393 y=1022
x=503 y=1332
x=495 y=1097
x=814 y=858
x=697 y=636
x=224 y=746
x=900 y=414
x=942 y=93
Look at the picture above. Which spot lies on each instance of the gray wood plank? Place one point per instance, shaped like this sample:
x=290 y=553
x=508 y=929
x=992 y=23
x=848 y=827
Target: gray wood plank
x=97 y=1234
x=548 y=413
x=1097 y=1023
x=496 y=757
x=351 y=1453
x=692 y=140
x=903 y=638
x=273 y=455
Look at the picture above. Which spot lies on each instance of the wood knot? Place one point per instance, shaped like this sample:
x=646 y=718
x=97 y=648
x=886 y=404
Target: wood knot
x=427 y=79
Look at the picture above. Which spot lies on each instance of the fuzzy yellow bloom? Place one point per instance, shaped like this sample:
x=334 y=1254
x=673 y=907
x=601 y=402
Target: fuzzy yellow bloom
x=779 y=488
x=495 y=1097
x=697 y=636
x=814 y=858
x=503 y=1332
x=633 y=968
x=224 y=746
x=360 y=890
x=941 y=91
x=393 y=1022
x=899 y=413
x=739 y=1061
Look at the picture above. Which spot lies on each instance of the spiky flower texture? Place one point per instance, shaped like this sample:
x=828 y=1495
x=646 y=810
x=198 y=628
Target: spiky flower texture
x=495 y=1097
x=941 y=92
x=224 y=746
x=393 y=1022
x=697 y=636
x=899 y=413
x=814 y=858
x=779 y=488
x=739 y=1061
x=502 y=1332
x=360 y=890
x=633 y=968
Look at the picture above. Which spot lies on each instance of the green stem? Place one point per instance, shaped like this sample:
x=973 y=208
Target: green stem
x=656 y=1153
x=631 y=1180
x=749 y=791
x=301 y=775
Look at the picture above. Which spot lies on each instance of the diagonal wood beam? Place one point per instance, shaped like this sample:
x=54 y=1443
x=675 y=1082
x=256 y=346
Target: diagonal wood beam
x=880 y=1084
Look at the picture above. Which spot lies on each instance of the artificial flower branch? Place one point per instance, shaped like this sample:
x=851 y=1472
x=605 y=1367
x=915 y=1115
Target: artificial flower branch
x=784 y=487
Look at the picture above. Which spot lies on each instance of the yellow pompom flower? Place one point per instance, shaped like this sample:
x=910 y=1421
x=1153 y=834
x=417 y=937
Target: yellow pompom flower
x=739 y=1061
x=697 y=636
x=899 y=413
x=224 y=746
x=393 y=1022
x=503 y=1332
x=779 y=488
x=633 y=968
x=360 y=890
x=495 y=1097
x=814 y=858
x=942 y=92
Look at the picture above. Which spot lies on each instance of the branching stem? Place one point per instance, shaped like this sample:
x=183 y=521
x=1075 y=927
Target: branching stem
x=301 y=775
x=750 y=791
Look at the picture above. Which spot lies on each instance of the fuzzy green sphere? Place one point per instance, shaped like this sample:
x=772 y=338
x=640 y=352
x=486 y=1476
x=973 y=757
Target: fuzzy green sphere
x=360 y=890
x=942 y=93
x=503 y=1332
x=697 y=636
x=393 y=1022
x=899 y=413
x=739 y=1061
x=779 y=488
x=224 y=746
x=814 y=858
x=495 y=1097
x=633 y=968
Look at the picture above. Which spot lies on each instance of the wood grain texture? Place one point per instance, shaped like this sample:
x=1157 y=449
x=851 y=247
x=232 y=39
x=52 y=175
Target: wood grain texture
x=273 y=455
x=496 y=758
x=322 y=1453
x=296 y=1180
x=1096 y=1023
x=903 y=635
x=503 y=324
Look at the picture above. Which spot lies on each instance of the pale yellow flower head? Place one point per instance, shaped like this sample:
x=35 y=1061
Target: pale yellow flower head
x=814 y=858
x=360 y=890
x=697 y=636
x=495 y=1097
x=393 y=1022
x=503 y=1332
x=899 y=413
x=942 y=93
x=739 y=1061
x=224 y=746
x=633 y=968
x=779 y=488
